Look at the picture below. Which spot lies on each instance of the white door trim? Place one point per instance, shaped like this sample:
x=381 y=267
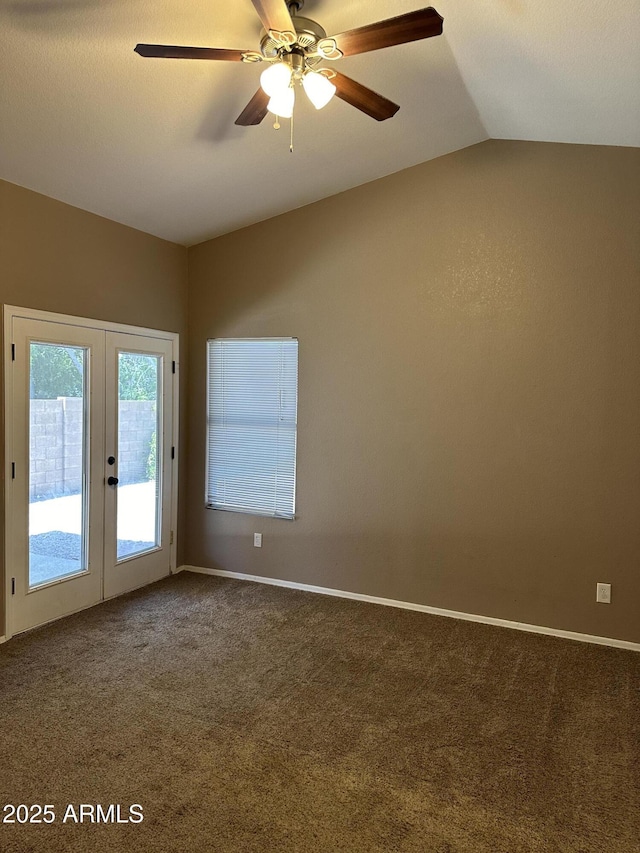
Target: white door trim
x=9 y=313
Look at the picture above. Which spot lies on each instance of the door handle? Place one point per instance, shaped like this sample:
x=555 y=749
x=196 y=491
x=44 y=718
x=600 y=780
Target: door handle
x=112 y=481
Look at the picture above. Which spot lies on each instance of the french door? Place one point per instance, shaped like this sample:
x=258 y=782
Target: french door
x=90 y=442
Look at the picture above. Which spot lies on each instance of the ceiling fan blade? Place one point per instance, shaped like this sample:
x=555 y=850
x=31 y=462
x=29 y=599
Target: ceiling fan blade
x=405 y=28
x=363 y=99
x=274 y=15
x=255 y=110
x=166 y=51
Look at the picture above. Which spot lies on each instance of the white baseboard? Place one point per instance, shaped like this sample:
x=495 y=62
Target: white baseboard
x=3 y=640
x=422 y=608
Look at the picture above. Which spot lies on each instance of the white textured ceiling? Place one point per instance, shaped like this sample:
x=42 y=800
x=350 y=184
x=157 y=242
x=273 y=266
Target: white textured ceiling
x=152 y=143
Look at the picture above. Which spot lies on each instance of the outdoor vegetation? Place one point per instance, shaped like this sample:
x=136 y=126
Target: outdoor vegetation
x=58 y=372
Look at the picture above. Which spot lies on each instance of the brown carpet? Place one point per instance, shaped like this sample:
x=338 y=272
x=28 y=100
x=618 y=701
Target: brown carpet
x=249 y=718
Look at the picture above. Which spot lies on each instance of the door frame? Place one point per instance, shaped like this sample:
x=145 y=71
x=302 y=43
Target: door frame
x=9 y=313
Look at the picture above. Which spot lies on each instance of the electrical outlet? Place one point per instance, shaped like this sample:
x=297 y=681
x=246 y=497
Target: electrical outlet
x=257 y=540
x=603 y=593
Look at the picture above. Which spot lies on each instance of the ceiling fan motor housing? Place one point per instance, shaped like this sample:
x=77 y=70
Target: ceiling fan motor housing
x=308 y=33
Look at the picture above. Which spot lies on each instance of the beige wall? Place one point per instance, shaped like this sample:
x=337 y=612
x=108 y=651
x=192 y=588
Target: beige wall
x=469 y=404
x=57 y=258
x=469 y=372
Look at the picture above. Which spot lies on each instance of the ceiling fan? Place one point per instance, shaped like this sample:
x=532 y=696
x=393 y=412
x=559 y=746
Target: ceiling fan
x=295 y=47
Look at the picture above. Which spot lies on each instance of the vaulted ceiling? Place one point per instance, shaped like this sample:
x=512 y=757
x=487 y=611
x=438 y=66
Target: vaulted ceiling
x=152 y=143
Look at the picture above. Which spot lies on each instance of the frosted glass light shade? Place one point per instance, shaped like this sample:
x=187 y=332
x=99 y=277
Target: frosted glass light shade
x=319 y=89
x=275 y=78
x=281 y=104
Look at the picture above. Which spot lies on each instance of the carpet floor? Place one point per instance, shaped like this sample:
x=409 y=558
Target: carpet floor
x=246 y=718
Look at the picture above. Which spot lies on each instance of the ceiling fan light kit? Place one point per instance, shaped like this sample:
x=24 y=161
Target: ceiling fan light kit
x=275 y=78
x=295 y=47
x=319 y=89
x=279 y=79
x=282 y=103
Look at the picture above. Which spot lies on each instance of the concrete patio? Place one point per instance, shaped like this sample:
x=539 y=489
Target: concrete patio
x=55 y=527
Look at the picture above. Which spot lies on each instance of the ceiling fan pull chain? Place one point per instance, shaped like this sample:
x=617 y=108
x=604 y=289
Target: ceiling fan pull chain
x=291 y=140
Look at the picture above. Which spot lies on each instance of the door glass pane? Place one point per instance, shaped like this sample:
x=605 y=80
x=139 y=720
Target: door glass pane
x=57 y=462
x=139 y=453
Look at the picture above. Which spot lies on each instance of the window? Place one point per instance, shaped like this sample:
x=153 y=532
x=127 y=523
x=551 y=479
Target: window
x=252 y=401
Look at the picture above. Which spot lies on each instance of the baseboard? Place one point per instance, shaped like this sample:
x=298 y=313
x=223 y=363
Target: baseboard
x=422 y=608
x=3 y=640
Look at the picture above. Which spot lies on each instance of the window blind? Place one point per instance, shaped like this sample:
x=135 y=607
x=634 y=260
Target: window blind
x=252 y=402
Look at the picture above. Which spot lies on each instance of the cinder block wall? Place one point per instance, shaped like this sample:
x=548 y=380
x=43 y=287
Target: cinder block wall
x=137 y=426
x=56 y=436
